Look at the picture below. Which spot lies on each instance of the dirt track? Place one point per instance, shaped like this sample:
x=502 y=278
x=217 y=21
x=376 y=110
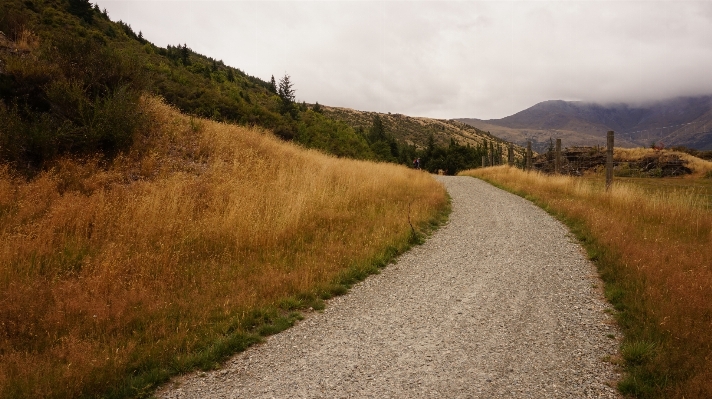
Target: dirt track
x=500 y=302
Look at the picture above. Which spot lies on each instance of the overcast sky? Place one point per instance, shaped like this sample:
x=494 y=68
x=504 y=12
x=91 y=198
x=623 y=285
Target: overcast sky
x=481 y=59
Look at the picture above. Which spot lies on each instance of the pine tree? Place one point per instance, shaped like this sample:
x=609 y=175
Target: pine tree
x=286 y=94
x=184 y=54
x=82 y=9
x=377 y=131
x=430 y=147
x=273 y=85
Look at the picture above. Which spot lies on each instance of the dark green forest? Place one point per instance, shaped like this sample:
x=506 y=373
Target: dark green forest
x=71 y=81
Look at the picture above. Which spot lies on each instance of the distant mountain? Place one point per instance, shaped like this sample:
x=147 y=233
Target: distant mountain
x=682 y=121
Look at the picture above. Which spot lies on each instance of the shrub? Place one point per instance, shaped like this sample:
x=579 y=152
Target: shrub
x=75 y=96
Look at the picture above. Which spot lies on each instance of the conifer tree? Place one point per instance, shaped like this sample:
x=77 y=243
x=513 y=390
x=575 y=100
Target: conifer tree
x=377 y=132
x=82 y=9
x=430 y=147
x=273 y=85
x=184 y=54
x=286 y=94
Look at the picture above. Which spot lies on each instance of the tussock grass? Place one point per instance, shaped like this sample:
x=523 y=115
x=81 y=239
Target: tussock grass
x=113 y=277
x=653 y=251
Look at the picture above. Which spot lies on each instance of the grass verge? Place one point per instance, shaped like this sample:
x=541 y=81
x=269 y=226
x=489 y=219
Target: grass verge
x=273 y=319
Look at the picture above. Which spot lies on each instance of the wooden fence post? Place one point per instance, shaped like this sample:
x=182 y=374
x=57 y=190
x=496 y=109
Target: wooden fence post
x=609 y=160
x=557 y=160
x=529 y=155
x=510 y=155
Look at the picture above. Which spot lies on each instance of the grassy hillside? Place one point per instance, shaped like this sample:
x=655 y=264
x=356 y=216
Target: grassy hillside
x=650 y=239
x=139 y=242
x=70 y=79
x=442 y=145
x=416 y=130
x=200 y=239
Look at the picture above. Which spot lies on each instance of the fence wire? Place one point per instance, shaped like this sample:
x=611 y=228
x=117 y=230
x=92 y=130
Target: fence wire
x=576 y=161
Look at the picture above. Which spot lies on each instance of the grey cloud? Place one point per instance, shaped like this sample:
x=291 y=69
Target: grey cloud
x=447 y=59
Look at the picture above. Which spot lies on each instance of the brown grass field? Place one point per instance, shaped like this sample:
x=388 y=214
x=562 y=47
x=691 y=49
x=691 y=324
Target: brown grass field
x=651 y=239
x=115 y=276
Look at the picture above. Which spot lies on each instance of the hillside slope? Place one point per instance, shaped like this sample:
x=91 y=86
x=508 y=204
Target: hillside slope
x=70 y=79
x=137 y=241
x=416 y=131
x=188 y=247
x=413 y=130
x=683 y=121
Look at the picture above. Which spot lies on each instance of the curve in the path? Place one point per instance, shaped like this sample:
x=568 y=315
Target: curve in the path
x=500 y=302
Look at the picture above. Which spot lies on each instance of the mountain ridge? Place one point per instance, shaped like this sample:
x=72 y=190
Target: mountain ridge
x=679 y=121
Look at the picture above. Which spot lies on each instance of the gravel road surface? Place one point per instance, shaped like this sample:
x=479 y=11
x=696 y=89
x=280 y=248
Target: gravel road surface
x=499 y=303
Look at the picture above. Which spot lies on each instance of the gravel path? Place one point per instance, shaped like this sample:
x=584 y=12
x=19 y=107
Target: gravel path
x=500 y=302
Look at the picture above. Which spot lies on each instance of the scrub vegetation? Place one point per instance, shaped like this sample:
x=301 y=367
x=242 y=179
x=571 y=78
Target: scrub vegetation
x=70 y=80
x=651 y=241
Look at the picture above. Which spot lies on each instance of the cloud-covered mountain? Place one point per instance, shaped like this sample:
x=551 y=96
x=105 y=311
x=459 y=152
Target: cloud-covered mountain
x=680 y=121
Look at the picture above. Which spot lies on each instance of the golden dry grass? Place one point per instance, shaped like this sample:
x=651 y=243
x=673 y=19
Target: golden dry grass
x=27 y=41
x=108 y=270
x=659 y=253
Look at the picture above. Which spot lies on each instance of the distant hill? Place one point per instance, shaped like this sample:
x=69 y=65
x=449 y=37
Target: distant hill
x=682 y=121
x=417 y=130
